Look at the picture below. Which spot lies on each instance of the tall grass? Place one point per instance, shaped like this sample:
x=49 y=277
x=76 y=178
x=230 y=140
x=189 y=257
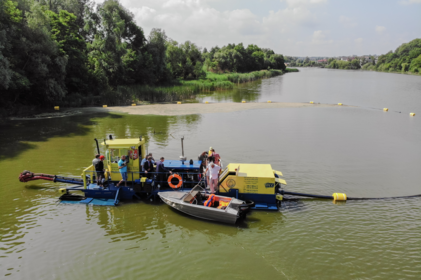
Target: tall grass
x=287 y=70
x=124 y=95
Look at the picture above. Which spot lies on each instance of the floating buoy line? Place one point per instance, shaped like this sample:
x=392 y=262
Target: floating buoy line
x=339 y=196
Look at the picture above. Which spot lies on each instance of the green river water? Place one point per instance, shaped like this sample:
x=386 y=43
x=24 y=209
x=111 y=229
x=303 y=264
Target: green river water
x=361 y=151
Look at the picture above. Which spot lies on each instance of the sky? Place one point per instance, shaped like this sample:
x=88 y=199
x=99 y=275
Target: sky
x=289 y=27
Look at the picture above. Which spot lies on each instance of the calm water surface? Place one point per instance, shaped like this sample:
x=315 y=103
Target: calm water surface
x=361 y=151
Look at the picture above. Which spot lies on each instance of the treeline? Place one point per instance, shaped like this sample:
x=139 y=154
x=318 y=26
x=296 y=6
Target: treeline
x=406 y=58
x=236 y=58
x=75 y=52
x=341 y=64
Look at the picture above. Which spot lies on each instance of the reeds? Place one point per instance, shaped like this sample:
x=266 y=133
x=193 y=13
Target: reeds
x=123 y=95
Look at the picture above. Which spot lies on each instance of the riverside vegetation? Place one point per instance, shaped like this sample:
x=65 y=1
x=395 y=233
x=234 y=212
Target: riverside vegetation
x=405 y=59
x=76 y=53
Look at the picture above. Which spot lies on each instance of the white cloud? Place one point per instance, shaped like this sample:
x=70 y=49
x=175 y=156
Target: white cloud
x=347 y=22
x=295 y=3
x=320 y=37
x=409 y=2
x=380 y=29
x=298 y=27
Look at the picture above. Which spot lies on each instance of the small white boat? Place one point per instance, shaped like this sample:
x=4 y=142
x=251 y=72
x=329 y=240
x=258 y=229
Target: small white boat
x=206 y=206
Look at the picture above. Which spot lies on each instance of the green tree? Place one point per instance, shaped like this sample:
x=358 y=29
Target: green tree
x=157 y=48
x=416 y=65
x=71 y=45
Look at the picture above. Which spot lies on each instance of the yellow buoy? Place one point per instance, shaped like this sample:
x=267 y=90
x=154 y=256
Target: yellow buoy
x=311 y=102
x=340 y=104
x=385 y=109
x=56 y=108
x=133 y=104
x=178 y=102
x=339 y=196
x=243 y=101
x=412 y=114
x=269 y=101
x=104 y=106
x=207 y=102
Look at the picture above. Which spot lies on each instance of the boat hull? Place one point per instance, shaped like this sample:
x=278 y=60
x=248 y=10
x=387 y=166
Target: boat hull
x=199 y=211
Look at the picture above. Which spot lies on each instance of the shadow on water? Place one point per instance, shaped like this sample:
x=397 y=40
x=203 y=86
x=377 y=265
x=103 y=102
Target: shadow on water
x=15 y=134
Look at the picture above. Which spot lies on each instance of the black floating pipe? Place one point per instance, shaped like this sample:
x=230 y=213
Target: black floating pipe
x=348 y=198
x=97 y=146
x=306 y=195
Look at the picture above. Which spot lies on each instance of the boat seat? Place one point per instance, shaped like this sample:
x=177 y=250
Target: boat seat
x=190 y=196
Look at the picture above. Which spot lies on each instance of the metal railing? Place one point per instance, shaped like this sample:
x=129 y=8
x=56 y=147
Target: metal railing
x=187 y=178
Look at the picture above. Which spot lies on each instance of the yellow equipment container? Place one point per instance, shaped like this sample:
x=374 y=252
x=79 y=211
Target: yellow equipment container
x=340 y=104
x=133 y=149
x=385 y=109
x=311 y=102
x=412 y=114
x=104 y=106
x=256 y=182
x=56 y=108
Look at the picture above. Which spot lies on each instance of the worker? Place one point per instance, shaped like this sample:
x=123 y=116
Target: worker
x=95 y=160
x=216 y=157
x=122 y=166
x=148 y=166
x=161 y=172
x=213 y=178
x=210 y=155
x=99 y=168
x=202 y=157
x=145 y=159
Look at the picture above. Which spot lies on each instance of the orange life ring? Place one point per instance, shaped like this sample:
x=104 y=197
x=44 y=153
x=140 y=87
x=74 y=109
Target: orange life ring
x=180 y=181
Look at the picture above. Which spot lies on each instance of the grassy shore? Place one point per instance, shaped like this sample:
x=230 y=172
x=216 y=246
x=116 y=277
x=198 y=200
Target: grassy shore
x=186 y=89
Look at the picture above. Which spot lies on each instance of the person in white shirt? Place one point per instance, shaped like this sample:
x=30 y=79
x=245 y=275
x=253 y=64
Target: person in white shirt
x=213 y=176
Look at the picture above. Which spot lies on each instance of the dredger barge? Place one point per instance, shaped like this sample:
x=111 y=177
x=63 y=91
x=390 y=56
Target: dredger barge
x=258 y=183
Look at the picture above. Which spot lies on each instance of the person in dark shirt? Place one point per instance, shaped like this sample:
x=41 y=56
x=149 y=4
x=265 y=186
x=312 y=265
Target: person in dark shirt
x=99 y=168
x=148 y=166
x=202 y=157
x=162 y=172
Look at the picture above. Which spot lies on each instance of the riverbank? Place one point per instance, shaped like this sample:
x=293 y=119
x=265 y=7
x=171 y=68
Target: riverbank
x=187 y=89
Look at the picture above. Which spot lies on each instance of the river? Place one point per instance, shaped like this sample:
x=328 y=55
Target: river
x=361 y=151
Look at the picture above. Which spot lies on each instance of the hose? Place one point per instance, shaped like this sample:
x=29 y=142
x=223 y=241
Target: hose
x=348 y=198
